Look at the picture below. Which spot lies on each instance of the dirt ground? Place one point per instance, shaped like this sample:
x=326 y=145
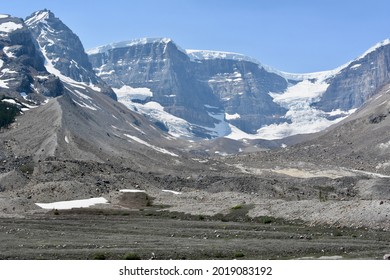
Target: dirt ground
x=154 y=233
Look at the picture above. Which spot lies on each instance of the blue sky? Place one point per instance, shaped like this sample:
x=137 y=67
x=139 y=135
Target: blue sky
x=293 y=36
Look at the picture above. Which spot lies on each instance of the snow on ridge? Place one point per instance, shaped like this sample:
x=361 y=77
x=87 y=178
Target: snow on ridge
x=3 y=16
x=209 y=54
x=129 y=43
x=38 y=17
x=374 y=48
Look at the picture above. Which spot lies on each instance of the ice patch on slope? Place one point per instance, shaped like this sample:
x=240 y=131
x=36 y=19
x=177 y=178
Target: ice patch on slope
x=64 y=205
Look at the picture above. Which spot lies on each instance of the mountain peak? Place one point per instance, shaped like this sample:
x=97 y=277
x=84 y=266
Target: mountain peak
x=39 y=16
x=375 y=47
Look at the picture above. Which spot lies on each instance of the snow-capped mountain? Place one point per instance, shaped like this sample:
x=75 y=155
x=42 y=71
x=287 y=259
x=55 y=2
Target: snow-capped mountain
x=79 y=119
x=244 y=98
x=63 y=51
x=206 y=94
x=22 y=71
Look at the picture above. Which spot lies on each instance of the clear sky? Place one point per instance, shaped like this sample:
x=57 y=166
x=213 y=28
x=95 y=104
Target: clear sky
x=289 y=35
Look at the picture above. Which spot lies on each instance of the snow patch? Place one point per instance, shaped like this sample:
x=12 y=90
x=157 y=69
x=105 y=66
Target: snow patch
x=8 y=53
x=10 y=26
x=11 y=101
x=177 y=126
x=356 y=66
x=232 y=117
x=3 y=16
x=174 y=192
x=158 y=149
x=66 y=139
x=82 y=104
x=133 y=93
x=1 y=63
x=83 y=203
x=131 y=191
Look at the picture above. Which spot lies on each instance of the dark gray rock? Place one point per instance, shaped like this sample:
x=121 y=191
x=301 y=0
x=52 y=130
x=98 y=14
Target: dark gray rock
x=359 y=81
x=23 y=66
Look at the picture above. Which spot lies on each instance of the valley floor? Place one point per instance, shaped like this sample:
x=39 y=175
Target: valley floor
x=157 y=234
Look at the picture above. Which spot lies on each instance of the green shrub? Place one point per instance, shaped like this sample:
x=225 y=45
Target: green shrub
x=132 y=256
x=239 y=255
x=237 y=207
x=8 y=112
x=27 y=168
x=99 y=256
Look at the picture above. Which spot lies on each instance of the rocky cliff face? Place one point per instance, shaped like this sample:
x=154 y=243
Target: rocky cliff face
x=22 y=65
x=63 y=51
x=206 y=92
x=358 y=81
x=242 y=87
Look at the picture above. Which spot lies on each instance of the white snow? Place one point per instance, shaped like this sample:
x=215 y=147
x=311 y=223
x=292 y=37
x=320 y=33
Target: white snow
x=3 y=83
x=82 y=95
x=10 y=26
x=232 y=117
x=356 y=66
x=66 y=139
x=3 y=16
x=158 y=149
x=51 y=69
x=82 y=104
x=38 y=17
x=124 y=44
x=8 y=52
x=83 y=203
x=9 y=101
x=374 y=48
x=303 y=118
x=209 y=54
x=133 y=93
x=1 y=63
x=174 y=192
x=131 y=191
x=177 y=126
